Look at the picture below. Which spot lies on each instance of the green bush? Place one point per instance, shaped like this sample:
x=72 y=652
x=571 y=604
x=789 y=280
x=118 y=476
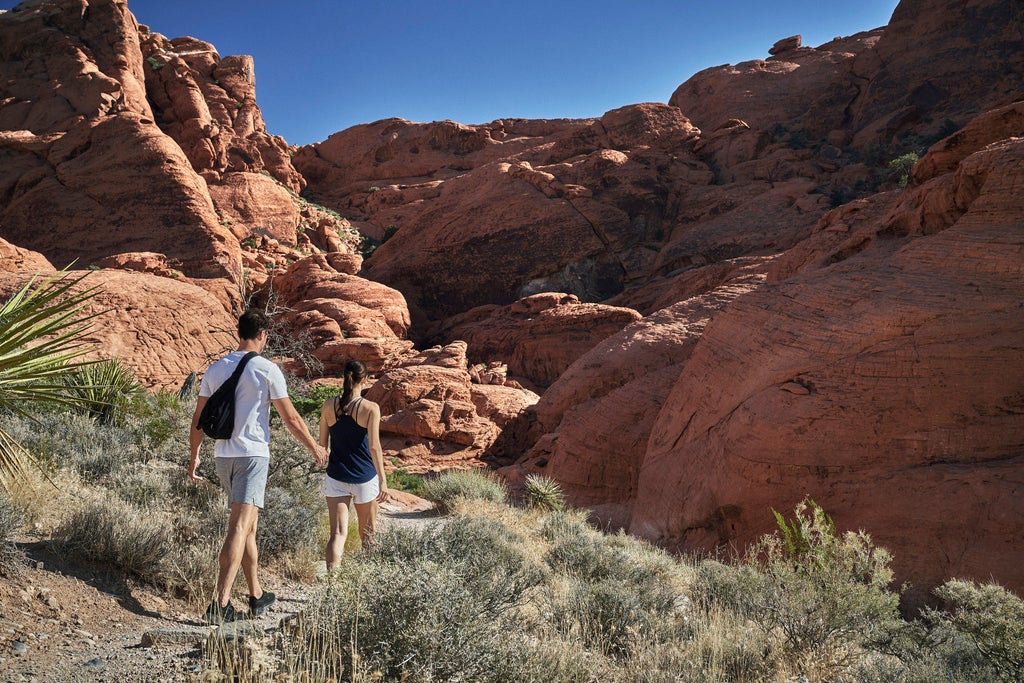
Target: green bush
x=450 y=485
x=483 y=552
x=426 y=604
x=901 y=167
x=990 y=617
x=286 y=526
x=403 y=480
x=620 y=594
x=310 y=399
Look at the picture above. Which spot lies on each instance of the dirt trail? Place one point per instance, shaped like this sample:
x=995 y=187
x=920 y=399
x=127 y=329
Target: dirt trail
x=62 y=623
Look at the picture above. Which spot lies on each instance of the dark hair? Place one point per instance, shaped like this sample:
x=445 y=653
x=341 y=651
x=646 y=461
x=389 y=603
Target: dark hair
x=251 y=323
x=355 y=371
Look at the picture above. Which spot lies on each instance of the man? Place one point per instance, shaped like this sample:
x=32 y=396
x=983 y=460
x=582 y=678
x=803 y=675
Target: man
x=242 y=461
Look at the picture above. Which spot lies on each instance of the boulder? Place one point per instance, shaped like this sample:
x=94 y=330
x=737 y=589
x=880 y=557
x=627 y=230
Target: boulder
x=87 y=173
x=538 y=336
x=14 y=259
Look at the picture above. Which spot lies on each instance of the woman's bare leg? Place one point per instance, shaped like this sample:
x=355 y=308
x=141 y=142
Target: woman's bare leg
x=367 y=516
x=337 y=511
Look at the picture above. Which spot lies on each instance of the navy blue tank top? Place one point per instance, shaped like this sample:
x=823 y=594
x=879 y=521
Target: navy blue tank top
x=350 y=459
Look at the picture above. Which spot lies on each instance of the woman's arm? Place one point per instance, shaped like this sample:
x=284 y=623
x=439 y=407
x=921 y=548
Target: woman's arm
x=376 y=452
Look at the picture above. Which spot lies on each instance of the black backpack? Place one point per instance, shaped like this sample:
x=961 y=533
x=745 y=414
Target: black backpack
x=217 y=420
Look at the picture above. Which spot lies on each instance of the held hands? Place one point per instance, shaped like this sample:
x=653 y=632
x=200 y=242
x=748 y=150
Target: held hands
x=320 y=455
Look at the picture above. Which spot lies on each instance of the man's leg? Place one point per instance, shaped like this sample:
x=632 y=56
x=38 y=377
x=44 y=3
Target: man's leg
x=250 y=560
x=241 y=526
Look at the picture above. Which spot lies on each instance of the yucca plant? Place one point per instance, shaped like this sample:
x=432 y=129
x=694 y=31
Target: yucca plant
x=106 y=389
x=41 y=344
x=543 y=492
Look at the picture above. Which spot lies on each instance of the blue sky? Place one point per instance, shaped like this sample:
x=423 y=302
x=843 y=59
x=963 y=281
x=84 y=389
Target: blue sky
x=322 y=66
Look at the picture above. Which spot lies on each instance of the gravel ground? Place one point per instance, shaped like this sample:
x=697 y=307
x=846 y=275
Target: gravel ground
x=61 y=623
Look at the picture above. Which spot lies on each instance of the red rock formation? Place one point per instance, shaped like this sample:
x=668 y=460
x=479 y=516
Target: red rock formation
x=208 y=105
x=937 y=65
x=312 y=281
x=86 y=171
x=14 y=259
x=538 y=336
x=590 y=428
x=917 y=79
x=797 y=88
x=434 y=417
x=885 y=386
x=252 y=204
x=865 y=353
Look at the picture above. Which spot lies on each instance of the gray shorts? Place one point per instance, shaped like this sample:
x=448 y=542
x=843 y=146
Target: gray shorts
x=245 y=478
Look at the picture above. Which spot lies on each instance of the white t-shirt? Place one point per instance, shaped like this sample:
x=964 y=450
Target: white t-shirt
x=261 y=382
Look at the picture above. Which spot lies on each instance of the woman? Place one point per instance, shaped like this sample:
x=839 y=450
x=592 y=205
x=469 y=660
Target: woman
x=350 y=425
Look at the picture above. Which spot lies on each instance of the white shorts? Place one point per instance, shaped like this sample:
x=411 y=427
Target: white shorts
x=360 y=493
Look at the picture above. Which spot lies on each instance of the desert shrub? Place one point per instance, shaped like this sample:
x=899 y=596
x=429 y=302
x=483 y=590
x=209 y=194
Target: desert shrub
x=618 y=598
x=483 y=552
x=309 y=399
x=191 y=569
x=446 y=601
x=824 y=594
x=142 y=487
x=990 y=617
x=543 y=492
x=74 y=440
x=100 y=451
x=614 y=616
x=401 y=479
x=901 y=166
x=118 y=534
x=11 y=519
x=472 y=484
x=717 y=647
x=564 y=524
x=159 y=423
x=286 y=526
x=409 y=622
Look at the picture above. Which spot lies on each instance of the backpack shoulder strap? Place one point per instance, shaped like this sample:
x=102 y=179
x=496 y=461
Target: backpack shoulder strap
x=233 y=379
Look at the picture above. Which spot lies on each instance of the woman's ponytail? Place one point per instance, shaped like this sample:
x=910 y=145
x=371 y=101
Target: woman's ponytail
x=353 y=374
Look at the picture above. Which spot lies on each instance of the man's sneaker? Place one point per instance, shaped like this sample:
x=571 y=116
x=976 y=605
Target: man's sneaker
x=258 y=606
x=215 y=614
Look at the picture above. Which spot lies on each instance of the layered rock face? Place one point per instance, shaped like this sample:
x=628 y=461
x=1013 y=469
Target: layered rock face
x=586 y=207
x=886 y=386
x=537 y=337
x=81 y=149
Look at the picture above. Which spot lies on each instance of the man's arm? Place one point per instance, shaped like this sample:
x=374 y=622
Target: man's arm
x=195 y=440
x=296 y=426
